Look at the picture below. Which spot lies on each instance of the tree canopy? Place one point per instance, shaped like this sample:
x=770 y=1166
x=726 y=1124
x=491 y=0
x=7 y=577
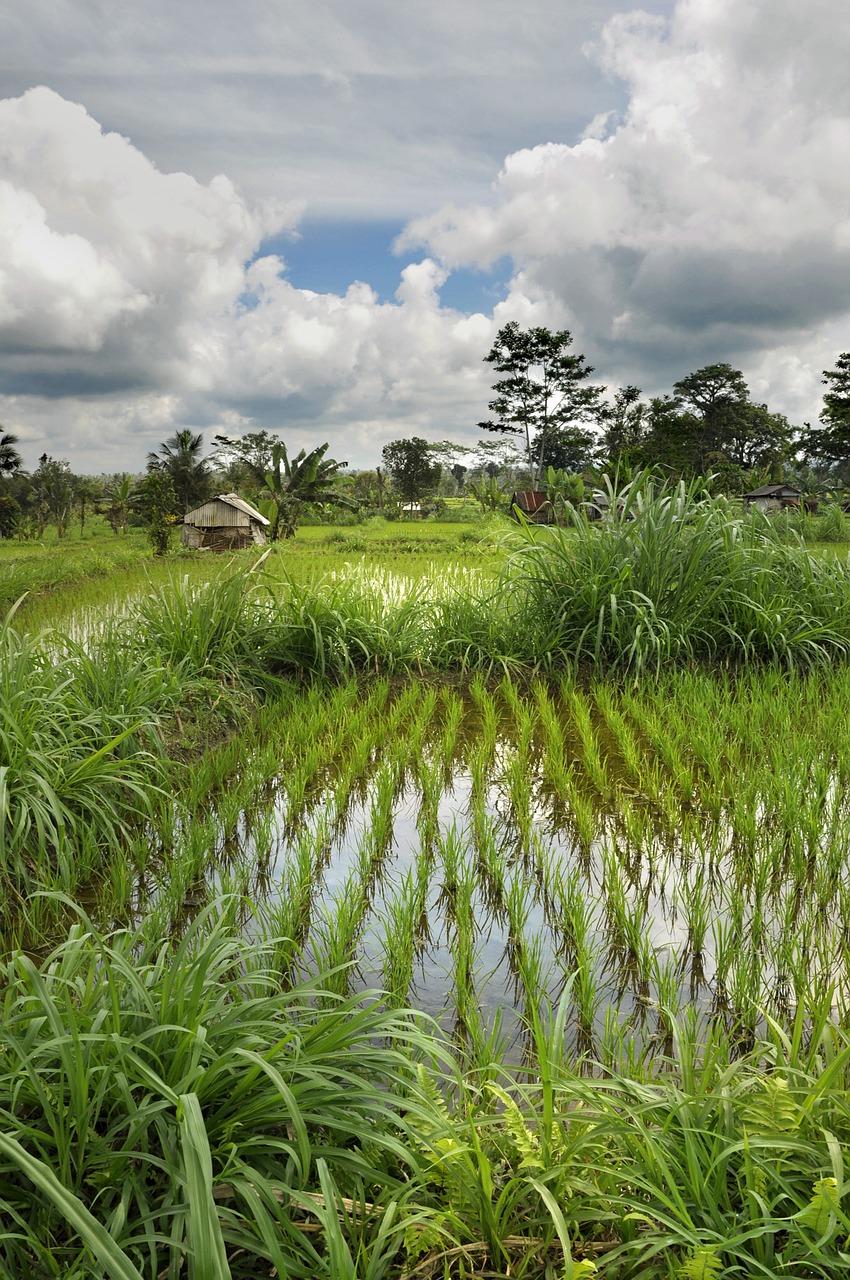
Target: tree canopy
x=412 y=467
x=190 y=474
x=830 y=441
x=544 y=392
x=10 y=459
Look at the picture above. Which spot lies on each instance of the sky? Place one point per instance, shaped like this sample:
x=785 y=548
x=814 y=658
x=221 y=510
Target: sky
x=315 y=217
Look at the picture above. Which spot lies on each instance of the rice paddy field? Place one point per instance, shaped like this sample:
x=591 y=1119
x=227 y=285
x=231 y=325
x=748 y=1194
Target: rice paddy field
x=429 y=901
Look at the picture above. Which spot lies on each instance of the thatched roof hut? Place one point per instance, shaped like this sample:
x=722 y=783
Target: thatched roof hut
x=225 y=523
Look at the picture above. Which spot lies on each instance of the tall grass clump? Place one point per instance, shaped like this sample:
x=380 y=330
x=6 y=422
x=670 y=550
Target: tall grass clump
x=341 y=625
x=80 y=761
x=159 y=1104
x=216 y=630
x=673 y=575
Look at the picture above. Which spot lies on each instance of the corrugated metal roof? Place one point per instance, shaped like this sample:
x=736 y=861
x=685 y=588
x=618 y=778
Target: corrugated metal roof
x=773 y=490
x=209 y=514
x=530 y=499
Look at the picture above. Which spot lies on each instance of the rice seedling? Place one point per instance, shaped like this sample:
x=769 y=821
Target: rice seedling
x=594 y=764
x=398 y=943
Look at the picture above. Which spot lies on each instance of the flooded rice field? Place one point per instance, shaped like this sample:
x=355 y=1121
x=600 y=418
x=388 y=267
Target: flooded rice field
x=478 y=852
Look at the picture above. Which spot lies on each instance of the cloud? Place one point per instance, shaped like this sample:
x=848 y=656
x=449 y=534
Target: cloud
x=712 y=221
x=702 y=215
x=104 y=256
x=371 y=109
x=134 y=297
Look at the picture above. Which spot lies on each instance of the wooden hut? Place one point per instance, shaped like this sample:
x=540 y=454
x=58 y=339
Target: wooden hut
x=534 y=506
x=773 y=497
x=225 y=523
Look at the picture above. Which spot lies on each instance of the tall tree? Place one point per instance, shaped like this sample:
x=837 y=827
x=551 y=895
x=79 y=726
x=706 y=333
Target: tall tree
x=10 y=514
x=54 y=487
x=626 y=428
x=181 y=459
x=412 y=468
x=544 y=390
x=709 y=425
x=10 y=459
x=830 y=441
x=458 y=473
x=569 y=448
x=245 y=459
x=717 y=397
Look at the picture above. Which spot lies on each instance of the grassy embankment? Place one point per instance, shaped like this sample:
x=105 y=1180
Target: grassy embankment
x=660 y=864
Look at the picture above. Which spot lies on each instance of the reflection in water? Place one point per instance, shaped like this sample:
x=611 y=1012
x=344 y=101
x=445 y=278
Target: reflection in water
x=503 y=859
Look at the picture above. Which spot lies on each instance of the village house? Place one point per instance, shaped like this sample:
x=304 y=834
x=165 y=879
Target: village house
x=225 y=523
x=773 y=497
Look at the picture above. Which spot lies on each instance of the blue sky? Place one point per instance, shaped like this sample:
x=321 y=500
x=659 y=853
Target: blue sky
x=327 y=256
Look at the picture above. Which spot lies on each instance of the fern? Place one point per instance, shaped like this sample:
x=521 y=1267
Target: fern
x=431 y=1093
x=421 y=1237
x=773 y=1109
x=820 y=1211
x=525 y=1140
x=701 y=1264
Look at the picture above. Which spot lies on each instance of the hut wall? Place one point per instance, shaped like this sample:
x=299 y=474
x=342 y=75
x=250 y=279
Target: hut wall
x=226 y=538
x=219 y=515
x=191 y=537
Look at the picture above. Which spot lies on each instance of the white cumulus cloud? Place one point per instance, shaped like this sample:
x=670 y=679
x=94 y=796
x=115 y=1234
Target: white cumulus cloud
x=713 y=220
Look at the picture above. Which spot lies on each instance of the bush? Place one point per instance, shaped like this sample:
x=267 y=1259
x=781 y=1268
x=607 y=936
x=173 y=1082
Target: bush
x=674 y=576
x=159 y=1102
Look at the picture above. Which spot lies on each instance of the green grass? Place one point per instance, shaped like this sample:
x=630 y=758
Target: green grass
x=592 y=814
x=164 y=1106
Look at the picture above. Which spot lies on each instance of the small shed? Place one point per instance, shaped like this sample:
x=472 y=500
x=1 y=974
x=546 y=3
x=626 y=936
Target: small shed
x=413 y=510
x=534 y=505
x=598 y=507
x=225 y=523
x=773 y=497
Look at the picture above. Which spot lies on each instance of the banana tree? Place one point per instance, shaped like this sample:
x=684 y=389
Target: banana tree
x=308 y=477
x=492 y=495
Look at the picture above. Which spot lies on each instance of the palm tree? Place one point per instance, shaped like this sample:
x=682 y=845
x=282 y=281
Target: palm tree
x=10 y=459
x=180 y=457
x=305 y=478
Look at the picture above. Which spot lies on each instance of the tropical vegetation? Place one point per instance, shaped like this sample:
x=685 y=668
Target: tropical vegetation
x=436 y=899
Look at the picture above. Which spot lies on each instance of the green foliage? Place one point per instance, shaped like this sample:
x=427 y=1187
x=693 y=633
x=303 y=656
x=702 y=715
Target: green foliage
x=176 y=1102
x=702 y=1264
x=10 y=459
x=830 y=442
x=492 y=495
x=338 y=626
x=308 y=477
x=543 y=396
x=675 y=576
x=53 y=491
x=179 y=458
x=79 y=762
x=412 y=467
x=157 y=502
x=564 y=487
x=10 y=514
x=117 y=499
